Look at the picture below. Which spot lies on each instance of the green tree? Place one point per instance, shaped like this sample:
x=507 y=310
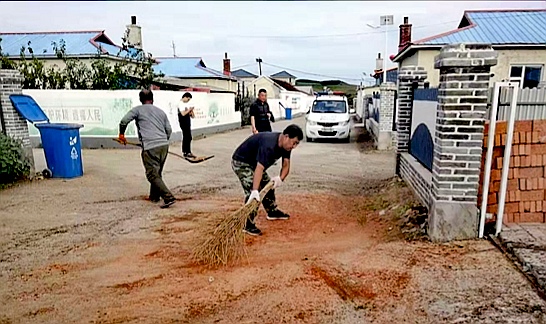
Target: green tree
x=132 y=70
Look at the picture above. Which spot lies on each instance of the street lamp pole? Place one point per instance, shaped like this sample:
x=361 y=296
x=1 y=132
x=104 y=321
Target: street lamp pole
x=386 y=21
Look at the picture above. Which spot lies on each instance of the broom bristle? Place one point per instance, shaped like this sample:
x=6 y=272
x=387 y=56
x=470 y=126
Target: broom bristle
x=224 y=241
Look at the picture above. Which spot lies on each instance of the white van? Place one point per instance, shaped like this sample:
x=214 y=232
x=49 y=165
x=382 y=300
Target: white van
x=328 y=118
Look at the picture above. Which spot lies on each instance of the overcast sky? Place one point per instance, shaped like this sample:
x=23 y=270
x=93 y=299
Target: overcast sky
x=293 y=32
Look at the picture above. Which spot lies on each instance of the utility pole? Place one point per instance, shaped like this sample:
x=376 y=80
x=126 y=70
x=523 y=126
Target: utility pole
x=173 y=46
x=259 y=61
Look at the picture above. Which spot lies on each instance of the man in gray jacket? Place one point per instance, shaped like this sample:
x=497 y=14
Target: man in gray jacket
x=154 y=132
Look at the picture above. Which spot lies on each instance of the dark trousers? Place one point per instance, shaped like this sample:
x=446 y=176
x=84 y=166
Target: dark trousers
x=186 y=139
x=263 y=127
x=245 y=173
x=154 y=160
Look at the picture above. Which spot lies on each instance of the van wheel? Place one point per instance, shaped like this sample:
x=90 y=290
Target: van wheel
x=309 y=140
x=347 y=140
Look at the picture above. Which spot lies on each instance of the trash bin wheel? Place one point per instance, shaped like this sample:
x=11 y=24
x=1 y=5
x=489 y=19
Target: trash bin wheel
x=47 y=173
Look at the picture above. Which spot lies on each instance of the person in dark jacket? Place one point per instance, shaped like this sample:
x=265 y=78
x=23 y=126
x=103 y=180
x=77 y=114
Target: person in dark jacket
x=260 y=114
x=250 y=162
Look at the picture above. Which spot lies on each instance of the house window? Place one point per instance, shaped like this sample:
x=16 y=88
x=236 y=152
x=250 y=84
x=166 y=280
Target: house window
x=528 y=76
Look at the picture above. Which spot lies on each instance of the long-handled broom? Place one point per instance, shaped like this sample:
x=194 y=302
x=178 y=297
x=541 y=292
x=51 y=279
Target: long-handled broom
x=224 y=240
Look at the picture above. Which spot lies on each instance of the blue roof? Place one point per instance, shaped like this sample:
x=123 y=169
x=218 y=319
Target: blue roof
x=77 y=43
x=186 y=67
x=240 y=73
x=496 y=27
x=282 y=74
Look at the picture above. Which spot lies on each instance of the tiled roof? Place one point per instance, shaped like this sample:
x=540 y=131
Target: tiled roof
x=282 y=74
x=496 y=27
x=186 y=67
x=286 y=85
x=240 y=73
x=76 y=42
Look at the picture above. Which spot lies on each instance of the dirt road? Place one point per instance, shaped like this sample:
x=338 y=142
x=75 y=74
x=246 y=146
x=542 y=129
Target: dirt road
x=93 y=250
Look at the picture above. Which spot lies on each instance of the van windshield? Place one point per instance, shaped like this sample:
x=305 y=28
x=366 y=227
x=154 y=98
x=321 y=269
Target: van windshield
x=329 y=106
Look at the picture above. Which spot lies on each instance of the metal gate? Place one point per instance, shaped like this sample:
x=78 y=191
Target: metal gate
x=507 y=152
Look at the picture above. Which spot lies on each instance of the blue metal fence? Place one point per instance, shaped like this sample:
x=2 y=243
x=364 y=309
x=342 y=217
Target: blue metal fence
x=430 y=94
x=421 y=143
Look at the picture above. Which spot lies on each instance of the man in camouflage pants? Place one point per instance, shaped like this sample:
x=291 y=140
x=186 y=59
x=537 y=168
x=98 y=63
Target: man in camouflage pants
x=250 y=162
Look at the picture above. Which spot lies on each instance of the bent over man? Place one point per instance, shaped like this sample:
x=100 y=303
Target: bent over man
x=250 y=162
x=154 y=132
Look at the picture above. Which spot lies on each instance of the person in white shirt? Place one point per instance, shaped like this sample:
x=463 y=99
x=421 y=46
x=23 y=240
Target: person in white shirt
x=185 y=113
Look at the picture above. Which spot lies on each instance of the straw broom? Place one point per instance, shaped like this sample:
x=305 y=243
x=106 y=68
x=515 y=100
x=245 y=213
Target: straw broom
x=224 y=241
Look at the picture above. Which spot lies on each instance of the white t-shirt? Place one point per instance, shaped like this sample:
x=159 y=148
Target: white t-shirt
x=183 y=106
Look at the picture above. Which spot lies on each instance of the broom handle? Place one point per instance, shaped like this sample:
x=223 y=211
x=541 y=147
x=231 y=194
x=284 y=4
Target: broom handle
x=266 y=189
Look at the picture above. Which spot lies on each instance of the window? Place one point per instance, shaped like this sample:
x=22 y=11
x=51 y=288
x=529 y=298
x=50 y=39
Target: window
x=528 y=76
x=329 y=106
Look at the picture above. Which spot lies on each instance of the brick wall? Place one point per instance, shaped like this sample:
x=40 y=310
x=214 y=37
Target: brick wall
x=526 y=190
x=462 y=105
x=16 y=125
x=417 y=177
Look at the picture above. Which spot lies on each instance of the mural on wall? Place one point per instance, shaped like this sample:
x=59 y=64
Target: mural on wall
x=100 y=116
x=213 y=114
x=100 y=111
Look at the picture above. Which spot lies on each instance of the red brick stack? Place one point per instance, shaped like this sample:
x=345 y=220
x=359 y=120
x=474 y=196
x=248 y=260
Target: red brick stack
x=526 y=191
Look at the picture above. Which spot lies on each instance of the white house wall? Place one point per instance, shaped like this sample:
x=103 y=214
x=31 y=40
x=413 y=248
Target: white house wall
x=100 y=111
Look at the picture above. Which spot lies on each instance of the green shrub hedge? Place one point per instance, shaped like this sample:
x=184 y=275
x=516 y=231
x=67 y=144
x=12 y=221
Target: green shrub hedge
x=14 y=164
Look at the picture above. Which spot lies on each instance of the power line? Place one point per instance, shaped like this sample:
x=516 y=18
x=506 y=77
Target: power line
x=338 y=35
x=309 y=73
x=242 y=66
x=390 y=31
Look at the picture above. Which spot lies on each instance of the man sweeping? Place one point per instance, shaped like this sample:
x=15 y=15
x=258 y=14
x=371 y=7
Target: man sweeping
x=154 y=132
x=250 y=162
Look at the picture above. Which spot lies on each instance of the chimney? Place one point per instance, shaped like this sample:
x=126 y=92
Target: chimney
x=378 y=62
x=134 y=34
x=227 y=65
x=405 y=34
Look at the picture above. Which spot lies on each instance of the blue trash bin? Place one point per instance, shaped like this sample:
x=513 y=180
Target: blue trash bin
x=61 y=141
x=62 y=149
x=288 y=113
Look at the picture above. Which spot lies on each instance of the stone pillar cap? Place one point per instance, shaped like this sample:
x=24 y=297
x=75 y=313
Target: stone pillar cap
x=466 y=55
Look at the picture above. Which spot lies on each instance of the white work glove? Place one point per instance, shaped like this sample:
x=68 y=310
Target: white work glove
x=277 y=181
x=254 y=194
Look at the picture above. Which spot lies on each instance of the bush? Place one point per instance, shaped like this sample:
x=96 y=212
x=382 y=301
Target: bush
x=14 y=164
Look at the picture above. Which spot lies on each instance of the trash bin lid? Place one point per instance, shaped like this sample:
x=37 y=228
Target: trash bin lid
x=59 y=125
x=28 y=108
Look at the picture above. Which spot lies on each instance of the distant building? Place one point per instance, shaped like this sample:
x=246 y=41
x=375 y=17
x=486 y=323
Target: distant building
x=516 y=35
x=243 y=75
x=392 y=76
x=83 y=45
x=306 y=89
x=195 y=73
x=284 y=76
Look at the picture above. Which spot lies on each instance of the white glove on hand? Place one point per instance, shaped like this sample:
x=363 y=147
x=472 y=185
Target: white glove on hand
x=254 y=194
x=277 y=181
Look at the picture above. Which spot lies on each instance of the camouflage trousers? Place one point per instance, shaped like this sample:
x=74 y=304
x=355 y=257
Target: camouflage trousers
x=245 y=173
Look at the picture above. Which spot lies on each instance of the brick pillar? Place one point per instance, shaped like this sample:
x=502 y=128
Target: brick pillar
x=462 y=104
x=386 y=115
x=16 y=126
x=406 y=77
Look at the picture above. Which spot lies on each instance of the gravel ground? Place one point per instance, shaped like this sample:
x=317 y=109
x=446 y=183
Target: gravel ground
x=94 y=250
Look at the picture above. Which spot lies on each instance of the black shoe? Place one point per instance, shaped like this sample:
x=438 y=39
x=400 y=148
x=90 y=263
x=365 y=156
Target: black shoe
x=189 y=155
x=251 y=229
x=155 y=200
x=277 y=215
x=168 y=203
